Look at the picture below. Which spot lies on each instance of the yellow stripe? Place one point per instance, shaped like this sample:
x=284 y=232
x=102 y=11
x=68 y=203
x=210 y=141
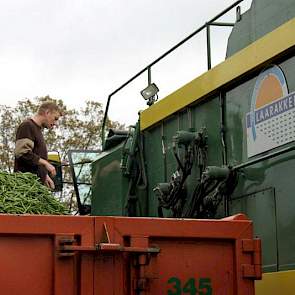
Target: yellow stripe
x=282 y=282
x=264 y=49
x=54 y=157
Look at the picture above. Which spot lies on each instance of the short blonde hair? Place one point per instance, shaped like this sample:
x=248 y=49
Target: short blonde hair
x=49 y=106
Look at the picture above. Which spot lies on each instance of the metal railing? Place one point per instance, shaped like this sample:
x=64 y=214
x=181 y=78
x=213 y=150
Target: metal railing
x=206 y=26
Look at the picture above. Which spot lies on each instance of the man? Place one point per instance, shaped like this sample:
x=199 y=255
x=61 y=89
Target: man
x=30 y=146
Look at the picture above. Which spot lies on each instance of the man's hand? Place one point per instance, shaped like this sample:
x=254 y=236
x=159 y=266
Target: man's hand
x=50 y=168
x=49 y=182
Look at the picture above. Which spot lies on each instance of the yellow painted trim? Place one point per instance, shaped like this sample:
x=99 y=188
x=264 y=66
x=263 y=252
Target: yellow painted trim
x=54 y=157
x=257 y=53
x=282 y=282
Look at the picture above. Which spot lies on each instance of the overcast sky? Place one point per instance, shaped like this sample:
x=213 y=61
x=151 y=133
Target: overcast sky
x=84 y=49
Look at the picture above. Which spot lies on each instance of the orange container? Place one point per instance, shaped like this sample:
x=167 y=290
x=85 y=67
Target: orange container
x=62 y=255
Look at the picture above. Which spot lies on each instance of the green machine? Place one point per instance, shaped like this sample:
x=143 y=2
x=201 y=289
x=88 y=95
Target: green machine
x=120 y=172
x=221 y=144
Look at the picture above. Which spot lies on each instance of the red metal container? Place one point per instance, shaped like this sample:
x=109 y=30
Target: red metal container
x=62 y=255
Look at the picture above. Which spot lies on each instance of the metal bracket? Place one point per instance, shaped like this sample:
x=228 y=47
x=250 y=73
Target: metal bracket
x=253 y=270
x=68 y=248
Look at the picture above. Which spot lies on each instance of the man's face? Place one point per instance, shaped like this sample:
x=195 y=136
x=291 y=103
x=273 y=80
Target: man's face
x=50 y=119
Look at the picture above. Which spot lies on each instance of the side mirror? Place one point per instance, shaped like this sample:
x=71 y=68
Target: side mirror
x=54 y=159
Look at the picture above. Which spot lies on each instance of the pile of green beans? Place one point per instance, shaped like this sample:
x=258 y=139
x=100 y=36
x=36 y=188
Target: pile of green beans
x=22 y=193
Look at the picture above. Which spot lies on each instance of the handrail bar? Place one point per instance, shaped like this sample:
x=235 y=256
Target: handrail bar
x=162 y=56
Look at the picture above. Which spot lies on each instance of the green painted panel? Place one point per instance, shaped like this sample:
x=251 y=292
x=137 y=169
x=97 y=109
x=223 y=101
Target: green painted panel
x=277 y=172
x=263 y=17
x=260 y=207
x=109 y=186
x=208 y=115
x=154 y=160
x=159 y=158
x=281 y=174
x=170 y=127
x=238 y=102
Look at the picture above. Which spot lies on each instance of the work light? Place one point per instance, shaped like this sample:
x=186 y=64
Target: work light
x=150 y=93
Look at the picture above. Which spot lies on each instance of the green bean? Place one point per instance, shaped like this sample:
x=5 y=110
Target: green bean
x=22 y=193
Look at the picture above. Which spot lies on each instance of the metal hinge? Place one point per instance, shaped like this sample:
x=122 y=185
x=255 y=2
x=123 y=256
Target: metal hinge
x=253 y=270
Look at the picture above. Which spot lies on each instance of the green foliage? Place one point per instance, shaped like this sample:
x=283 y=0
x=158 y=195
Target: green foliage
x=77 y=129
